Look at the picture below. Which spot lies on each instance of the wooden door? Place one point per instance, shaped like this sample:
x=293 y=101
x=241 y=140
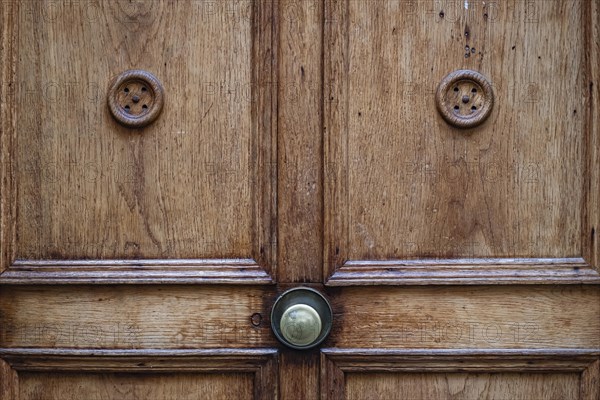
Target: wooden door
x=300 y=145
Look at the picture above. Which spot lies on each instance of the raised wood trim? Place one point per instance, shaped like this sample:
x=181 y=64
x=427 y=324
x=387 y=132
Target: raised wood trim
x=591 y=206
x=42 y=359
x=8 y=381
x=466 y=272
x=332 y=379
x=492 y=360
x=264 y=65
x=336 y=362
x=261 y=362
x=226 y=271
x=335 y=147
x=8 y=138
x=299 y=124
x=590 y=382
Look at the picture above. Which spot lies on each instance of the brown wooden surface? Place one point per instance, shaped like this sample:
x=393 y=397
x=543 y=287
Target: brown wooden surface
x=492 y=192
x=210 y=151
x=7 y=138
x=300 y=144
x=8 y=381
x=299 y=375
x=167 y=163
x=427 y=374
x=299 y=162
x=517 y=386
x=160 y=374
x=151 y=317
x=75 y=386
x=299 y=171
x=473 y=317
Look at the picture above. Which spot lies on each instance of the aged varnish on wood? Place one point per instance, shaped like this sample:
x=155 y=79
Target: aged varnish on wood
x=170 y=168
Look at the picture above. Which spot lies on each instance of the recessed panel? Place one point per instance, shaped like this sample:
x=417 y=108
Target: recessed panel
x=131 y=386
x=426 y=386
x=503 y=190
x=133 y=317
x=181 y=187
x=419 y=187
x=482 y=317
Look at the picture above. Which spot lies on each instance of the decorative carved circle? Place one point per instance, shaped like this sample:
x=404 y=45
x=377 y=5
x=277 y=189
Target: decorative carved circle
x=135 y=98
x=464 y=98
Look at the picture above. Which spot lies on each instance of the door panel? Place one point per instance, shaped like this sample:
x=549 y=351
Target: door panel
x=135 y=374
x=75 y=160
x=130 y=317
x=422 y=374
x=76 y=386
x=188 y=200
x=413 y=200
x=478 y=318
x=471 y=386
x=508 y=210
x=86 y=188
x=299 y=144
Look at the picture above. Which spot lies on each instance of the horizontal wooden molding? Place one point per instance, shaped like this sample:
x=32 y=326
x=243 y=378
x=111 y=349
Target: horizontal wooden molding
x=335 y=363
x=491 y=360
x=90 y=360
x=262 y=363
x=485 y=271
x=200 y=271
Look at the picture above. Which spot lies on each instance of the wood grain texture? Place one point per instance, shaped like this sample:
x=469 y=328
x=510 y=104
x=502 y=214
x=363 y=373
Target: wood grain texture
x=52 y=272
x=131 y=360
x=299 y=144
x=335 y=104
x=299 y=374
x=425 y=386
x=8 y=381
x=453 y=360
x=427 y=374
x=264 y=98
x=128 y=386
x=591 y=210
x=7 y=135
x=477 y=317
x=332 y=379
x=590 y=382
x=402 y=184
x=74 y=373
x=131 y=317
x=199 y=183
x=471 y=271
x=300 y=168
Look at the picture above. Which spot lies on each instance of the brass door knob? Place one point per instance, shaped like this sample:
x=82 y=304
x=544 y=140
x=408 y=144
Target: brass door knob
x=301 y=318
x=300 y=324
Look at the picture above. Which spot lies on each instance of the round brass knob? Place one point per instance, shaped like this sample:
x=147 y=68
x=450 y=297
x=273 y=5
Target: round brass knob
x=300 y=324
x=301 y=318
